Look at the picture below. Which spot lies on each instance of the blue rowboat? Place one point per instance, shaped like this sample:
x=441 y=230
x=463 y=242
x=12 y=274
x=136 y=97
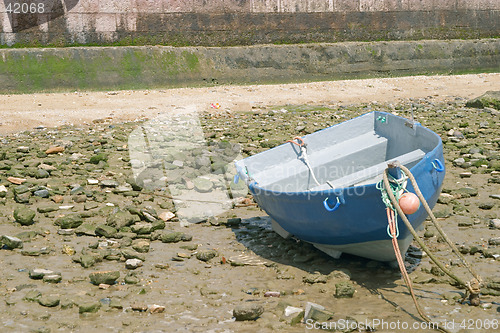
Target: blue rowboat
x=322 y=188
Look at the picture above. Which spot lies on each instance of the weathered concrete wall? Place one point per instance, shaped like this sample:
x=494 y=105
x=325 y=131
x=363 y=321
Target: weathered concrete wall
x=242 y=22
x=94 y=68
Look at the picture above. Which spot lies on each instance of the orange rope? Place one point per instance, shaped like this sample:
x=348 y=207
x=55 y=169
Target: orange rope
x=392 y=227
x=301 y=142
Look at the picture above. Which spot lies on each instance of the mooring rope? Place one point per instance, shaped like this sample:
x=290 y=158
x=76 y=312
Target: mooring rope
x=303 y=156
x=393 y=208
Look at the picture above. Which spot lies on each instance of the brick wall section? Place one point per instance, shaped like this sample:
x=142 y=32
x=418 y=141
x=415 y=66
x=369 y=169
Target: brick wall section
x=243 y=22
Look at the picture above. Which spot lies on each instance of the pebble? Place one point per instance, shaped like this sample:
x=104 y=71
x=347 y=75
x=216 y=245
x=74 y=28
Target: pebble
x=24 y=215
x=156 y=308
x=109 y=183
x=344 y=289
x=494 y=241
x=11 y=242
x=42 y=193
x=316 y=312
x=248 y=311
x=69 y=221
x=494 y=224
x=92 y=181
x=107 y=277
x=91 y=307
x=16 y=180
x=206 y=255
x=49 y=300
x=166 y=216
x=54 y=150
x=39 y=273
x=133 y=263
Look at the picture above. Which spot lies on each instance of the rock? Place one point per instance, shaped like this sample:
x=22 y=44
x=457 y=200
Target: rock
x=166 y=216
x=494 y=224
x=16 y=180
x=486 y=205
x=42 y=193
x=494 y=241
x=140 y=307
x=131 y=279
x=495 y=196
x=489 y=99
x=69 y=221
x=465 y=174
x=86 y=229
x=316 y=312
x=49 y=300
x=52 y=278
x=41 y=173
x=47 y=167
x=315 y=278
x=23 y=149
x=203 y=185
x=39 y=273
x=87 y=260
x=107 y=277
x=172 y=237
x=109 y=183
x=445 y=198
x=120 y=219
x=105 y=231
x=11 y=242
x=54 y=150
x=142 y=228
x=133 y=263
x=24 y=216
x=131 y=254
x=248 y=311
x=441 y=211
x=149 y=214
x=141 y=245
x=344 y=289
x=32 y=296
x=156 y=308
x=47 y=209
x=233 y=221
x=466 y=192
x=459 y=161
x=91 y=307
x=206 y=255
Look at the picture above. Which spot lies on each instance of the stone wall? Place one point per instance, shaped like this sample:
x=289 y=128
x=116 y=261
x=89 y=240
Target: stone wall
x=137 y=67
x=241 y=22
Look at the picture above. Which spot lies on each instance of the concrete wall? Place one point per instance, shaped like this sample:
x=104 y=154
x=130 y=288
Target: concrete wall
x=137 y=67
x=243 y=22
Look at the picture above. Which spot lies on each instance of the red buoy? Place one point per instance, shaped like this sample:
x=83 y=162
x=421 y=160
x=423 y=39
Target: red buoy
x=409 y=203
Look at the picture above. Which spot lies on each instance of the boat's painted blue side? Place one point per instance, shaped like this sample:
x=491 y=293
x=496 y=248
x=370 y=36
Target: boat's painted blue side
x=361 y=216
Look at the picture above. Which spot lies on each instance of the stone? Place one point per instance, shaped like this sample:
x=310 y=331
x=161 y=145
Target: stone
x=488 y=99
x=107 y=277
x=142 y=228
x=105 y=231
x=87 y=260
x=54 y=150
x=131 y=279
x=90 y=307
x=464 y=221
x=248 y=311
x=133 y=263
x=172 y=237
x=494 y=241
x=206 y=255
x=86 y=229
x=466 y=192
x=445 y=198
x=120 y=219
x=344 y=289
x=24 y=216
x=166 y=216
x=203 y=185
x=49 y=300
x=459 y=161
x=39 y=273
x=95 y=159
x=42 y=193
x=315 y=278
x=486 y=205
x=156 y=308
x=141 y=245
x=316 y=312
x=109 y=183
x=69 y=221
x=41 y=173
x=23 y=149
x=16 y=180
x=131 y=254
x=47 y=209
x=52 y=278
x=441 y=211
x=32 y=296
x=494 y=224
x=11 y=242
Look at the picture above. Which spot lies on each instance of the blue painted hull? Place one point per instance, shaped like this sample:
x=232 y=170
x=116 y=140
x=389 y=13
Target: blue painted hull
x=361 y=216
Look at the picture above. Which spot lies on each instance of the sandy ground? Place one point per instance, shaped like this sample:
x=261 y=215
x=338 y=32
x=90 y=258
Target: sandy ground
x=21 y=112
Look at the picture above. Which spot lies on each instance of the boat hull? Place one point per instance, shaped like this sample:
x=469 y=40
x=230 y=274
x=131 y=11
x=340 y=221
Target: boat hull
x=359 y=224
